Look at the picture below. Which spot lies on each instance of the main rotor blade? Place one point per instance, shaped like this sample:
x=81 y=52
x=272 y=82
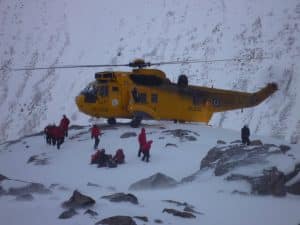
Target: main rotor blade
x=64 y=67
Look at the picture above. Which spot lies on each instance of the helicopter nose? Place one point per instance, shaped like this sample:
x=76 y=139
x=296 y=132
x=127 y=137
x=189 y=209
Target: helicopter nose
x=79 y=101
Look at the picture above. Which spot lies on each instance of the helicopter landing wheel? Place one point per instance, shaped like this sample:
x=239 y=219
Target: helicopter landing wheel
x=111 y=121
x=135 y=122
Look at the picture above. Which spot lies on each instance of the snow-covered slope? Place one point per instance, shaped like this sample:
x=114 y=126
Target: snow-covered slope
x=43 y=33
x=63 y=171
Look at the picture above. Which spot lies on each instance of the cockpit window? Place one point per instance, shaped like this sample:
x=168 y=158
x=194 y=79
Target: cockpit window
x=90 y=89
x=103 y=90
x=147 y=80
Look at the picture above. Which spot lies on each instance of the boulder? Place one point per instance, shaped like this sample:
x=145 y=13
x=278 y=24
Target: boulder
x=122 y=197
x=221 y=142
x=176 y=212
x=117 y=220
x=155 y=181
x=256 y=142
x=284 y=148
x=67 y=214
x=79 y=200
x=158 y=221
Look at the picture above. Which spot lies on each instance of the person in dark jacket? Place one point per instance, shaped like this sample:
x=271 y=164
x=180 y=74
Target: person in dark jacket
x=146 y=151
x=103 y=159
x=49 y=134
x=142 y=140
x=245 y=134
x=64 y=125
x=95 y=133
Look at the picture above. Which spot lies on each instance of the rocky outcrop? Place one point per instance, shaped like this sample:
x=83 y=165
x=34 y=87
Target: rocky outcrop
x=117 y=220
x=224 y=159
x=128 y=135
x=79 y=200
x=176 y=212
x=121 y=197
x=155 y=181
x=272 y=182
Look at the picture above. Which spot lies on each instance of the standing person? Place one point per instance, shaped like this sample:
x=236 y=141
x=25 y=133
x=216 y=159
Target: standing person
x=64 y=125
x=142 y=140
x=59 y=136
x=146 y=151
x=95 y=132
x=48 y=132
x=245 y=134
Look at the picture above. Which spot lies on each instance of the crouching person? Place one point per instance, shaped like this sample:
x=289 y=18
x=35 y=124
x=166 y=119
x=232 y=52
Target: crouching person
x=119 y=157
x=95 y=157
x=103 y=159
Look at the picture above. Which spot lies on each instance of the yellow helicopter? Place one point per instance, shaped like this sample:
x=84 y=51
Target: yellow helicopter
x=149 y=94
x=143 y=94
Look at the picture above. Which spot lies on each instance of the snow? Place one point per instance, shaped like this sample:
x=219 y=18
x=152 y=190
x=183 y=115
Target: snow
x=70 y=168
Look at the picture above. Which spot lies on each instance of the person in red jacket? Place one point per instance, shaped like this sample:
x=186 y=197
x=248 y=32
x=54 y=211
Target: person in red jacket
x=146 y=151
x=59 y=136
x=119 y=157
x=142 y=140
x=64 y=125
x=95 y=133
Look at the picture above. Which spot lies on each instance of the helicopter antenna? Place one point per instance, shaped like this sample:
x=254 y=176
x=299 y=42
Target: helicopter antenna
x=138 y=63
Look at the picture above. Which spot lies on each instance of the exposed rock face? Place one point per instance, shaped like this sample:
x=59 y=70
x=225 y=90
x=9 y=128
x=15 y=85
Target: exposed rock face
x=122 y=197
x=226 y=158
x=2 y=177
x=38 y=160
x=79 y=200
x=142 y=218
x=28 y=189
x=117 y=220
x=157 y=180
x=294 y=188
x=175 y=212
x=67 y=214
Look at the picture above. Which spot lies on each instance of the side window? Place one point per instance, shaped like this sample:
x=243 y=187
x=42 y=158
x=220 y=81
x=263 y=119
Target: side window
x=103 y=91
x=142 y=97
x=115 y=89
x=154 y=98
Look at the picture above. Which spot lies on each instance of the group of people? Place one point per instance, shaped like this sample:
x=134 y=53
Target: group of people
x=107 y=160
x=55 y=135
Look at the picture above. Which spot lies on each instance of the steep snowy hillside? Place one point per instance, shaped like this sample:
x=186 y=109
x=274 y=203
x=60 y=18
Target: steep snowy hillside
x=45 y=33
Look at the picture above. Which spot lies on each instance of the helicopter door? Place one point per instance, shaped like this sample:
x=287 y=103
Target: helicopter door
x=115 y=99
x=103 y=95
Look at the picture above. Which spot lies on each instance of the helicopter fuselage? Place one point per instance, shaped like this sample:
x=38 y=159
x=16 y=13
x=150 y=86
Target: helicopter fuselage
x=149 y=94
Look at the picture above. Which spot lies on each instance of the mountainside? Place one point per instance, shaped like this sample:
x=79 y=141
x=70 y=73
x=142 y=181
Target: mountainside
x=47 y=33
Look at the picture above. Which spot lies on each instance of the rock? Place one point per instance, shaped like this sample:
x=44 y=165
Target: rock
x=256 y=142
x=284 y=148
x=28 y=189
x=183 y=135
x=128 y=134
x=117 y=220
x=220 y=142
x=226 y=158
x=157 y=180
x=143 y=218
x=175 y=212
x=158 y=221
x=67 y=214
x=294 y=188
x=2 y=191
x=38 y=160
x=2 y=177
x=93 y=185
x=78 y=200
x=239 y=192
x=170 y=144
x=122 y=197
x=24 y=197
x=272 y=182
x=191 y=210
x=91 y=212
